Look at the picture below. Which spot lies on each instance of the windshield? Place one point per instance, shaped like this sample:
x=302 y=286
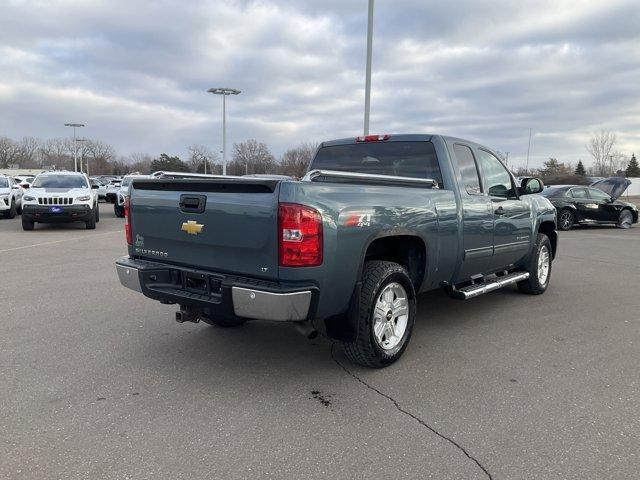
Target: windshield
x=60 y=181
x=4 y=183
x=126 y=181
x=400 y=159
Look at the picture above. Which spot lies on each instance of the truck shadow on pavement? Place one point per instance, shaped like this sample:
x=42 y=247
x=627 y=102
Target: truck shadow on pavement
x=263 y=348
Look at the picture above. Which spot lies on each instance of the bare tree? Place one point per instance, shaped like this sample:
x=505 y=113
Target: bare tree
x=28 y=152
x=600 y=147
x=140 y=162
x=8 y=152
x=198 y=155
x=97 y=156
x=252 y=157
x=57 y=153
x=295 y=161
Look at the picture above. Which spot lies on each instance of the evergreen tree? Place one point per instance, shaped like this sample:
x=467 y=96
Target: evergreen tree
x=168 y=163
x=580 y=169
x=633 y=169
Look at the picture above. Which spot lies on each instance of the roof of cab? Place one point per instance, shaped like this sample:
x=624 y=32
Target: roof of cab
x=406 y=137
x=400 y=137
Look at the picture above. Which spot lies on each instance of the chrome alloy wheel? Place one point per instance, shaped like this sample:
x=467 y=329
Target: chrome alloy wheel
x=566 y=220
x=544 y=264
x=390 y=316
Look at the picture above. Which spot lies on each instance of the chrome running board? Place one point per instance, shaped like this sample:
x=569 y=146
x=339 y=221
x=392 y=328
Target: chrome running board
x=478 y=289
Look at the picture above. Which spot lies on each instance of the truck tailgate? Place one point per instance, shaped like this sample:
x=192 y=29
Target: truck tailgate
x=223 y=225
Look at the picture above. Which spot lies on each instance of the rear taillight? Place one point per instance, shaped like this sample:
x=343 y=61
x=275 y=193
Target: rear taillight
x=127 y=221
x=299 y=236
x=372 y=138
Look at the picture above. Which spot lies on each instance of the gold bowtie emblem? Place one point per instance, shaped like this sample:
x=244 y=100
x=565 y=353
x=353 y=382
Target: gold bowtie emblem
x=192 y=227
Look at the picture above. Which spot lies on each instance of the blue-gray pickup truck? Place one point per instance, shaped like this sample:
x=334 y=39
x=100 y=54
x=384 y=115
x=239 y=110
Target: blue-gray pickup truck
x=346 y=249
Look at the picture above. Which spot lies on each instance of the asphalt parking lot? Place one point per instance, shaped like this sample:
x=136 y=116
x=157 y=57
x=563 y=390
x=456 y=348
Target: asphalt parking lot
x=98 y=382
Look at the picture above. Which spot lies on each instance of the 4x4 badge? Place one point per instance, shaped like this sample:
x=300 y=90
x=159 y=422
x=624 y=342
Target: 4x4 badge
x=192 y=227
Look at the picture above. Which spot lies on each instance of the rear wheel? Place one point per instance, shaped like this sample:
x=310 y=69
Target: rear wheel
x=626 y=219
x=386 y=315
x=97 y=207
x=539 y=268
x=27 y=224
x=566 y=218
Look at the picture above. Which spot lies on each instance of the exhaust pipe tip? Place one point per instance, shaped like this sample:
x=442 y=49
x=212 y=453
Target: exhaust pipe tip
x=306 y=330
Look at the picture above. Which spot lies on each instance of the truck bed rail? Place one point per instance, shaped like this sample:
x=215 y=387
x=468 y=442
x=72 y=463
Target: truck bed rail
x=366 y=178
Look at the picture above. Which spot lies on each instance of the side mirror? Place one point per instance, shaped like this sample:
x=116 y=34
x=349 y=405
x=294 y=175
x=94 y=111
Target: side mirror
x=531 y=185
x=94 y=187
x=26 y=186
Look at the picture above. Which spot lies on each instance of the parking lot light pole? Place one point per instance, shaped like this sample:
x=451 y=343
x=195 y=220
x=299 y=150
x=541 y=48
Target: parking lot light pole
x=224 y=92
x=82 y=140
x=367 y=88
x=75 y=145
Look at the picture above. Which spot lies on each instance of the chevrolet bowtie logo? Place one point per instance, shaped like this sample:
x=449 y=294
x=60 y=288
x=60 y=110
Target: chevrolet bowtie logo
x=192 y=227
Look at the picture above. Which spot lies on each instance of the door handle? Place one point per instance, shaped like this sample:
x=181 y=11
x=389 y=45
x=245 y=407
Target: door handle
x=499 y=211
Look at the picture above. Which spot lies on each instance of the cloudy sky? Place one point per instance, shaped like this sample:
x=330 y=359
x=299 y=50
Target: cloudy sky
x=137 y=72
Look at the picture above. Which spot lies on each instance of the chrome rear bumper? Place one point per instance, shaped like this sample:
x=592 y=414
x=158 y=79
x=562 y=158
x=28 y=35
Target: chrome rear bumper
x=245 y=302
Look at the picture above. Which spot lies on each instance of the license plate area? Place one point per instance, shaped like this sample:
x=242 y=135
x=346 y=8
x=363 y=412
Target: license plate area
x=195 y=283
x=201 y=284
x=55 y=209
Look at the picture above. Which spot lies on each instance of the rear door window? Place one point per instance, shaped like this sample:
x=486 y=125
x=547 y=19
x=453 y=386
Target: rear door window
x=598 y=195
x=468 y=169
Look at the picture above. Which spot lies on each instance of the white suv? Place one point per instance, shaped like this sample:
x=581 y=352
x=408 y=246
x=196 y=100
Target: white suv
x=56 y=197
x=123 y=193
x=10 y=197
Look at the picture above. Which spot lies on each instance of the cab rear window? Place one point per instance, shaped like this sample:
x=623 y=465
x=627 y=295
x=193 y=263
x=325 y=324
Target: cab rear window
x=401 y=159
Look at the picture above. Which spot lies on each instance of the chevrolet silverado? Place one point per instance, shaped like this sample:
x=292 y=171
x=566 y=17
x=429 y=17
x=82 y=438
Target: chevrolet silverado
x=376 y=221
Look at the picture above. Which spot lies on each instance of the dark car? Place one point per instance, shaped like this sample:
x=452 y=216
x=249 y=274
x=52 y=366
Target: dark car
x=594 y=204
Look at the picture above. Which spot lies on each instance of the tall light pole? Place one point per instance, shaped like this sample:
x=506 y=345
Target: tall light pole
x=367 y=88
x=82 y=140
x=75 y=146
x=224 y=92
x=528 y=150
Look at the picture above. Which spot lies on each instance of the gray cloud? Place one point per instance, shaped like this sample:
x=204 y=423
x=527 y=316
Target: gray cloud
x=137 y=73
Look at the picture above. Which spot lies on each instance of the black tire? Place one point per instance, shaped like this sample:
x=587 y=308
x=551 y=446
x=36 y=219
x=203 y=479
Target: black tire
x=97 y=212
x=533 y=285
x=11 y=213
x=27 y=224
x=19 y=210
x=365 y=349
x=566 y=219
x=626 y=219
x=91 y=223
x=119 y=211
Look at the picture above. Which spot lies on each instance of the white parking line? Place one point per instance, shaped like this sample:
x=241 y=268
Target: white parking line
x=59 y=241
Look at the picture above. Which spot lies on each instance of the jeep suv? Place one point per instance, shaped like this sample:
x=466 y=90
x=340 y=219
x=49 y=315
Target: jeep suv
x=60 y=197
